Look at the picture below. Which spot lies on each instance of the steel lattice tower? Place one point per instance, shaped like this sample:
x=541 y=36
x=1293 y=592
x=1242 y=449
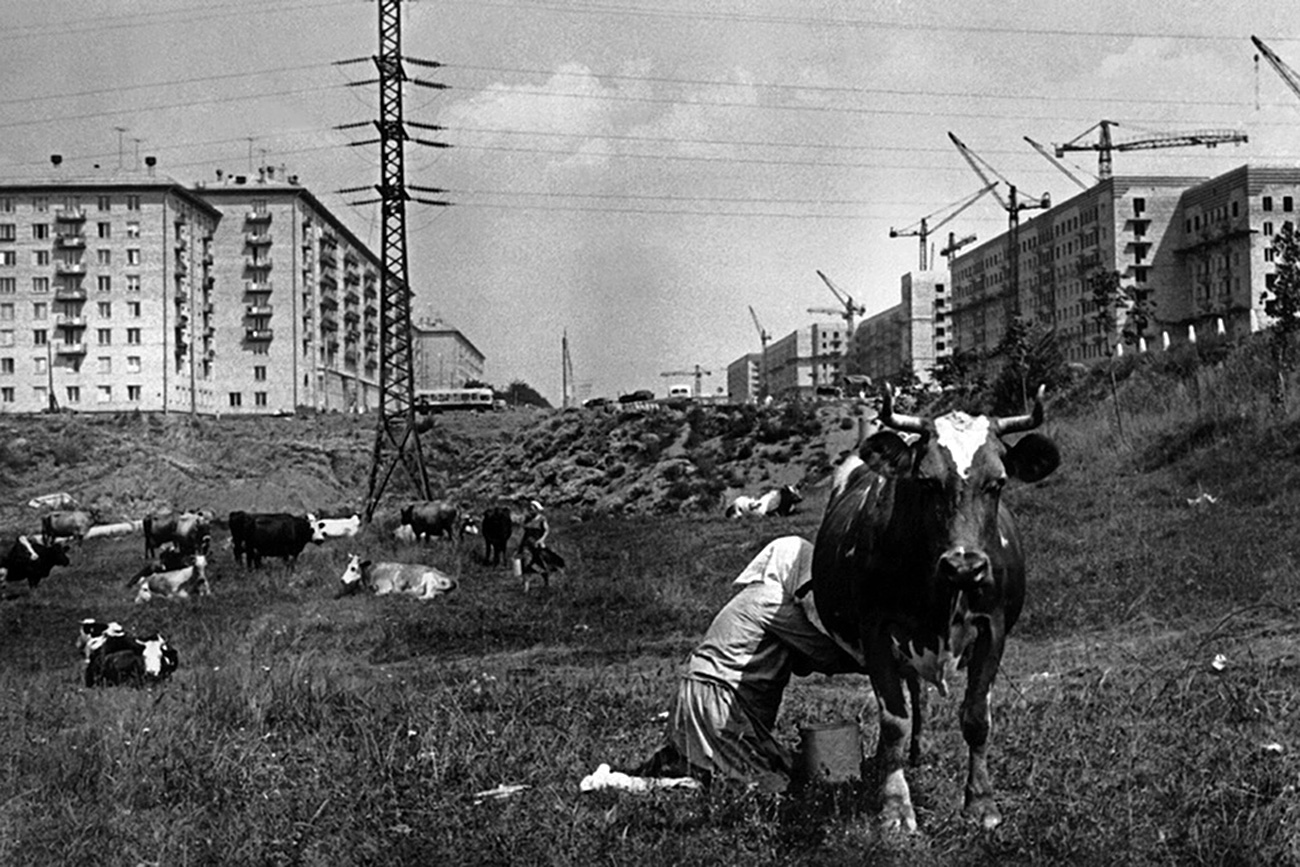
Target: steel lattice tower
x=397 y=437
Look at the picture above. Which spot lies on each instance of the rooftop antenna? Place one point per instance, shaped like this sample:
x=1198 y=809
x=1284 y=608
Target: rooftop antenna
x=137 y=152
x=120 y=131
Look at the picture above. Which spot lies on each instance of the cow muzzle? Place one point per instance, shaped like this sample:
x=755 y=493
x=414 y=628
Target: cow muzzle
x=965 y=568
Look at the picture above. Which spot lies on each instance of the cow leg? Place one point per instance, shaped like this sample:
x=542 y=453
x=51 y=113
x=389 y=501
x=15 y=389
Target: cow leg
x=895 y=731
x=976 y=721
x=916 y=693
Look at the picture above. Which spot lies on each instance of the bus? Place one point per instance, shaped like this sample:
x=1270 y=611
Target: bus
x=451 y=399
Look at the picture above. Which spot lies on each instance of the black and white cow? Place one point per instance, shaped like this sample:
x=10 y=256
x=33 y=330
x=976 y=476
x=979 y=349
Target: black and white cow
x=124 y=660
x=31 y=560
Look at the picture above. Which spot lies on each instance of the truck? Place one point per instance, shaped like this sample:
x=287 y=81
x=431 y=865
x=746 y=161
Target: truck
x=675 y=391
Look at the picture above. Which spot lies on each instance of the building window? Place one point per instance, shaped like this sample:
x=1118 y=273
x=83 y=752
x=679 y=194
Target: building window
x=1267 y=229
x=133 y=282
x=1266 y=204
x=41 y=231
x=104 y=336
x=7 y=394
x=133 y=364
x=1268 y=254
x=104 y=203
x=7 y=312
x=132 y=203
x=1287 y=203
x=6 y=205
x=104 y=394
x=40 y=203
x=104 y=257
x=259 y=373
x=133 y=309
x=236 y=399
x=40 y=310
x=40 y=284
x=74 y=394
x=105 y=309
x=104 y=283
x=104 y=231
x=8 y=285
x=8 y=232
x=133 y=230
x=1139 y=206
x=133 y=393
x=259 y=398
x=6 y=366
x=1140 y=275
x=38 y=364
x=104 y=364
x=133 y=256
x=41 y=258
x=39 y=337
x=1269 y=280
x=133 y=336
x=6 y=337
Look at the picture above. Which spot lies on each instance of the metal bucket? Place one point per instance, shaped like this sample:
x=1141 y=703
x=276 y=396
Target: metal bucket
x=829 y=753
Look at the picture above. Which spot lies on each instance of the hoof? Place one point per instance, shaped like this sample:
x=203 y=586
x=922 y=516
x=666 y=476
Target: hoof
x=984 y=811
x=898 y=817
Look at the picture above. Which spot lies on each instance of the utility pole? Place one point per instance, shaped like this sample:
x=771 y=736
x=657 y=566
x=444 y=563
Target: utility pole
x=397 y=439
x=120 y=131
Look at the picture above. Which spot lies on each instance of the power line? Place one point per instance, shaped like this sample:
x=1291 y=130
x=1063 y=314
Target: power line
x=158 y=17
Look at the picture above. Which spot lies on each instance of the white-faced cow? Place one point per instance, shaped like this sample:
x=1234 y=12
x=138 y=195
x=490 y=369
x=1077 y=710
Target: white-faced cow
x=66 y=524
x=175 y=583
x=778 y=501
x=422 y=582
x=31 y=560
x=269 y=534
x=123 y=660
x=189 y=531
x=918 y=569
x=431 y=518
x=324 y=529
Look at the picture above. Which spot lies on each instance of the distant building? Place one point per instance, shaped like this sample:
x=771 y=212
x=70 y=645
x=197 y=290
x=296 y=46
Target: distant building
x=912 y=334
x=809 y=358
x=745 y=378
x=444 y=358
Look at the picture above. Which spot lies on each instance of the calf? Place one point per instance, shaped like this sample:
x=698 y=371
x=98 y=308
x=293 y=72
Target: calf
x=334 y=528
x=175 y=583
x=422 y=582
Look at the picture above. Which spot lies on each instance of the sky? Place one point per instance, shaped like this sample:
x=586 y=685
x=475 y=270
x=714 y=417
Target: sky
x=639 y=174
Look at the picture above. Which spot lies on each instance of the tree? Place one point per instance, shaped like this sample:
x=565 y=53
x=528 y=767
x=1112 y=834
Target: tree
x=1108 y=298
x=1282 y=302
x=1014 y=347
x=1140 y=316
x=520 y=393
x=959 y=372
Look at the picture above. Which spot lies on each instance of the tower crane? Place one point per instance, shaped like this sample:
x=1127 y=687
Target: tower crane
x=922 y=228
x=1105 y=146
x=763 y=338
x=955 y=244
x=1289 y=75
x=1047 y=155
x=850 y=311
x=699 y=373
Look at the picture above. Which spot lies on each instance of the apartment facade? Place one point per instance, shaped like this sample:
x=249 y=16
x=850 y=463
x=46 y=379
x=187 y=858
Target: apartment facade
x=807 y=359
x=443 y=356
x=1202 y=248
x=912 y=335
x=745 y=379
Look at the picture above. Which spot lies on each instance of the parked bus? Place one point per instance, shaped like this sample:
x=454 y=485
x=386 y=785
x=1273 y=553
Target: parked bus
x=450 y=399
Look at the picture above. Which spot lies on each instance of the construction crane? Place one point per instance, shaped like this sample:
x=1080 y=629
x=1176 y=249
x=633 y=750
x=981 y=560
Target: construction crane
x=699 y=373
x=922 y=227
x=1289 y=75
x=1047 y=155
x=763 y=338
x=955 y=244
x=1105 y=146
x=850 y=310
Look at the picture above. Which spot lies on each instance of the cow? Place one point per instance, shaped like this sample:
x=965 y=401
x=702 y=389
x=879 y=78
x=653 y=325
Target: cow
x=66 y=524
x=175 y=583
x=29 y=560
x=123 y=660
x=189 y=531
x=422 y=582
x=917 y=570
x=778 y=501
x=334 y=528
x=432 y=518
x=269 y=534
x=497 y=525
x=93 y=634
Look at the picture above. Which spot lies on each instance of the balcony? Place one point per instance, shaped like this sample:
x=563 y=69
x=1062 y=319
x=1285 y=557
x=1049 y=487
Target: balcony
x=69 y=293
x=328 y=323
x=206 y=258
x=257 y=239
x=328 y=301
x=350 y=356
x=351 y=316
x=182 y=267
x=70 y=215
x=257 y=310
x=73 y=268
x=257 y=217
x=257 y=333
x=351 y=278
x=257 y=285
x=327 y=259
x=70 y=349
x=257 y=263
x=67 y=320
x=70 y=241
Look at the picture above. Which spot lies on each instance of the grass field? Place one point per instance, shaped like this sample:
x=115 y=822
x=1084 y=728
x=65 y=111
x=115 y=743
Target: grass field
x=301 y=729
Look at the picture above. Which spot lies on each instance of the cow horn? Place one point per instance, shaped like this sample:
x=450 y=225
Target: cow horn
x=889 y=418
x=1017 y=423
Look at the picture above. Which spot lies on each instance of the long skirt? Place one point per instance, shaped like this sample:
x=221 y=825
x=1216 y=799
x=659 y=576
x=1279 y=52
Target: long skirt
x=714 y=730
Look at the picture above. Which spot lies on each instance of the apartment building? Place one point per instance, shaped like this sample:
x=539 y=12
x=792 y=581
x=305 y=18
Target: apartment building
x=745 y=379
x=807 y=359
x=912 y=335
x=443 y=356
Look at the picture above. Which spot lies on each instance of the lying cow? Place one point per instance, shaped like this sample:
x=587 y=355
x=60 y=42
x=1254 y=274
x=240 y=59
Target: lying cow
x=122 y=660
x=189 y=531
x=94 y=633
x=779 y=501
x=422 y=582
x=275 y=534
x=66 y=524
x=175 y=583
x=31 y=560
x=431 y=518
x=323 y=529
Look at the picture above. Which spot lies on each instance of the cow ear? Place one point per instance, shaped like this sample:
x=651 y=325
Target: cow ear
x=1033 y=458
x=886 y=453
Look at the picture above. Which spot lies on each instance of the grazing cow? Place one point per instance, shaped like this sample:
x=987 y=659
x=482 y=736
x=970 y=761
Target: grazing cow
x=122 y=660
x=432 y=518
x=334 y=528
x=422 y=582
x=497 y=525
x=29 y=560
x=778 y=501
x=175 y=583
x=918 y=570
x=67 y=524
x=269 y=534
x=189 y=531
